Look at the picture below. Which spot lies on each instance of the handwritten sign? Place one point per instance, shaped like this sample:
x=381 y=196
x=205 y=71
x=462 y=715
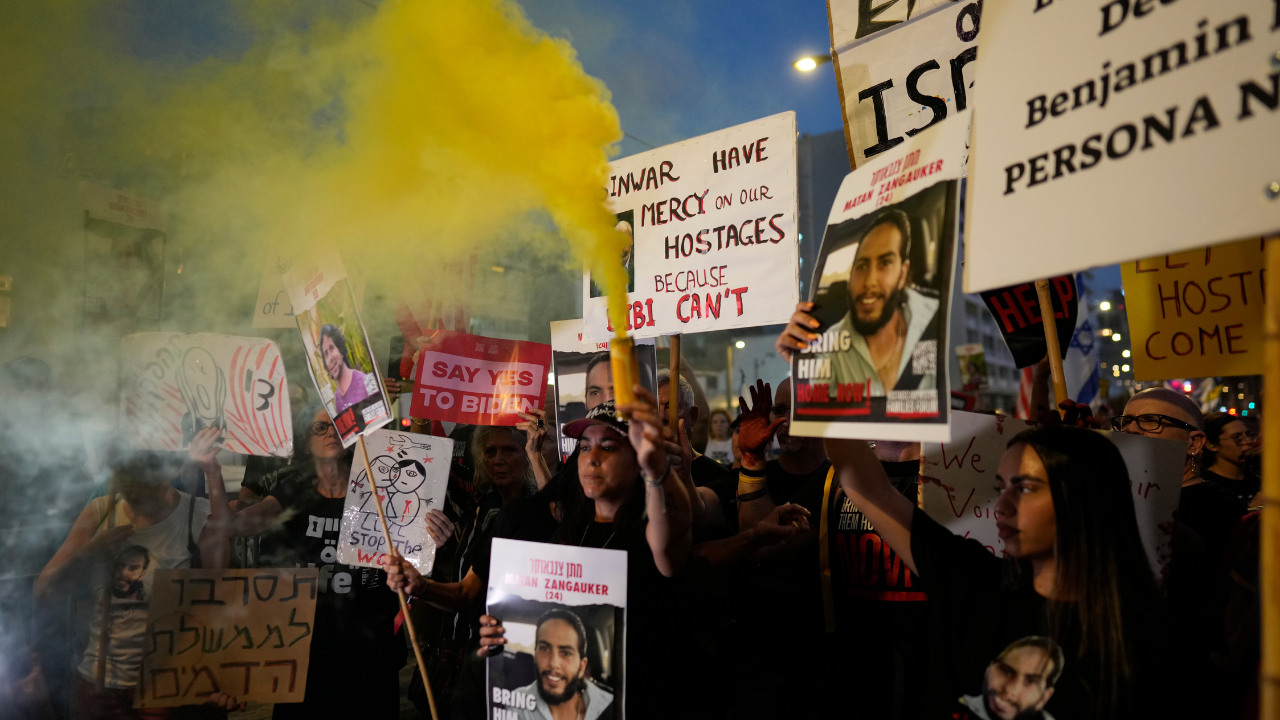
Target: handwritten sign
x=477 y=380
x=118 y=206
x=1106 y=129
x=411 y=471
x=1197 y=313
x=910 y=75
x=174 y=385
x=242 y=632
x=855 y=19
x=713 y=227
x=537 y=588
x=1017 y=313
x=584 y=376
x=958 y=482
x=882 y=290
x=339 y=358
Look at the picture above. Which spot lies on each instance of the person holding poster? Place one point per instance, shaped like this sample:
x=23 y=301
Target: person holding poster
x=1076 y=572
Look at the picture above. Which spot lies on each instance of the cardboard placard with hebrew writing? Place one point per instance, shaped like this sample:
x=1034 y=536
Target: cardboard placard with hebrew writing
x=1197 y=313
x=958 y=481
x=242 y=632
x=411 y=471
x=174 y=385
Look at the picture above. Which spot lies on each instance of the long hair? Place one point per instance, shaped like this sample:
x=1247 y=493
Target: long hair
x=577 y=511
x=1102 y=570
x=479 y=438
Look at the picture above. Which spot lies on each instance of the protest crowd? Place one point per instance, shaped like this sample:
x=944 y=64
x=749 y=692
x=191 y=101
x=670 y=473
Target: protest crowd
x=947 y=475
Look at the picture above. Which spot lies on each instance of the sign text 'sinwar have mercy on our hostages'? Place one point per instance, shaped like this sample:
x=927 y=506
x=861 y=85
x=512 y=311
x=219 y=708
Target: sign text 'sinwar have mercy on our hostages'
x=1102 y=123
x=713 y=228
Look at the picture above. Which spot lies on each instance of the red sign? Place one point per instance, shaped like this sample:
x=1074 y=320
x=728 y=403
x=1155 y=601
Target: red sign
x=477 y=380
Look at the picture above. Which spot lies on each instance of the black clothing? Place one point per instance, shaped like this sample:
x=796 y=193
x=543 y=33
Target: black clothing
x=1244 y=489
x=355 y=612
x=706 y=471
x=1211 y=511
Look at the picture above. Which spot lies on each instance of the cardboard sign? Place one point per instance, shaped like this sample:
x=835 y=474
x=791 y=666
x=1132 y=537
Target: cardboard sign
x=713 y=222
x=124 y=261
x=1104 y=127
x=544 y=591
x=908 y=77
x=958 y=485
x=477 y=380
x=584 y=376
x=242 y=632
x=411 y=471
x=882 y=288
x=854 y=19
x=1017 y=313
x=1197 y=313
x=339 y=358
x=175 y=385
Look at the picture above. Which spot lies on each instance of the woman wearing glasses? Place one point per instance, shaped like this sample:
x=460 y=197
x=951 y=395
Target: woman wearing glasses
x=355 y=612
x=1229 y=446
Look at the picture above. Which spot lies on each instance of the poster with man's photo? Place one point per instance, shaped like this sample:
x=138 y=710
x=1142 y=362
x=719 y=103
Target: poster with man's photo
x=881 y=289
x=338 y=353
x=584 y=377
x=564 y=611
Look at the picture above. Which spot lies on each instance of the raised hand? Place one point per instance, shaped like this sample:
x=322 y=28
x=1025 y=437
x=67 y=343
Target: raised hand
x=402 y=575
x=799 y=331
x=492 y=636
x=1073 y=413
x=651 y=439
x=204 y=447
x=535 y=427
x=392 y=386
x=439 y=527
x=755 y=431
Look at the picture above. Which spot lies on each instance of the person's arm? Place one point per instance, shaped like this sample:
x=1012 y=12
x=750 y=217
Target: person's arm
x=667 y=504
x=755 y=432
x=784 y=523
x=255 y=519
x=864 y=481
x=215 y=538
x=451 y=597
x=80 y=552
x=681 y=455
x=535 y=427
x=712 y=510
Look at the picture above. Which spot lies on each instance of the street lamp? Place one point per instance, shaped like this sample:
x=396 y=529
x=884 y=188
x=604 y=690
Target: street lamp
x=807 y=64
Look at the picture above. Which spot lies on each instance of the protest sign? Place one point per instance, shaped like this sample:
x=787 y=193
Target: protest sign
x=973 y=366
x=175 y=385
x=958 y=481
x=882 y=288
x=1017 y=313
x=854 y=19
x=477 y=380
x=584 y=377
x=246 y=633
x=907 y=77
x=713 y=226
x=1100 y=114
x=1197 y=313
x=124 y=260
x=411 y=471
x=554 y=594
x=274 y=309
x=338 y=354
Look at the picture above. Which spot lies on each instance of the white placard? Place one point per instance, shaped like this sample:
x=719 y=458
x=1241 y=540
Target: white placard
x=901 y=80
x=117 y=206
x=855 y=19
x=958 y=481
x=713 y=221
x=1118 y=131
x=412 y=472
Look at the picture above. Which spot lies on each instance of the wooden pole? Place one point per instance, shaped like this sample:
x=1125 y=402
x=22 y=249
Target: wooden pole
x=1268 y=574
x=673 y=389
x=104 y=624
x=728 y=385
x=1051 y=340
x=404 y=604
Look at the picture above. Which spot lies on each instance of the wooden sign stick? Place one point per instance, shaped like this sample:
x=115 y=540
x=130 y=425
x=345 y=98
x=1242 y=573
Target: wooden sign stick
x=1051 y=340
x=404 y=604
x=673 y=388
x=104 y=624
x=1270 y=495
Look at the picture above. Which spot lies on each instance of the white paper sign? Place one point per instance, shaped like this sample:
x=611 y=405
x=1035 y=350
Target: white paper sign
x=174 y=385
x=1120 y=130
x=412 y=472
x=958 y=481
x=900 y=81
x=855 y=19
x=713 y=222
x=117 y=206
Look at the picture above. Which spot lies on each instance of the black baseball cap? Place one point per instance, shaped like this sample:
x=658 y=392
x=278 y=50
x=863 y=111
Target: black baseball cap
x=603 y=414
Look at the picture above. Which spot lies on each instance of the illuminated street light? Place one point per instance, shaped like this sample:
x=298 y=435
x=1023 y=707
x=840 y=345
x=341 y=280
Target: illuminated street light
x=1124 y=368
x=808 y=64
x=1115 y=337
x=739 y=344
x=1124 y=354
x=1104 y=306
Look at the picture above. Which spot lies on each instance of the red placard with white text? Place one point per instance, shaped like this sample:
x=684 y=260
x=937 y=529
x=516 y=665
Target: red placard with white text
x=477 y=380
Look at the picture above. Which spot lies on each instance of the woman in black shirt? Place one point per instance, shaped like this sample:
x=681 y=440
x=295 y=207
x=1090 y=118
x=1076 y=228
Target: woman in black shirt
x=1071 y=617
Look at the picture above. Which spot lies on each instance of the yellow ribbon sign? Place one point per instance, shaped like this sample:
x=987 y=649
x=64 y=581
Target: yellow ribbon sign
x=1197 y=313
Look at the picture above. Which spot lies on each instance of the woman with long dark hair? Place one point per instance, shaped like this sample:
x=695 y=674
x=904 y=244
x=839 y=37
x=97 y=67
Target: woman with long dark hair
x=1074 y=571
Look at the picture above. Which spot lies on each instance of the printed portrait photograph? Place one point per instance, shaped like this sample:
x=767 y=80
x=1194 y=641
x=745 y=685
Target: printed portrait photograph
x=341 y=361
x=1019 y=682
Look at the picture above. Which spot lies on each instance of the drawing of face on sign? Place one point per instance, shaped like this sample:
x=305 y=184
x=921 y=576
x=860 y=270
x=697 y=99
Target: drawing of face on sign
x=203 y=386
x=403 y=503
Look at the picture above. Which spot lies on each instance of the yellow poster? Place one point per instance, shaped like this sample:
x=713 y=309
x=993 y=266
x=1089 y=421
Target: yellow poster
x=1197 y=313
